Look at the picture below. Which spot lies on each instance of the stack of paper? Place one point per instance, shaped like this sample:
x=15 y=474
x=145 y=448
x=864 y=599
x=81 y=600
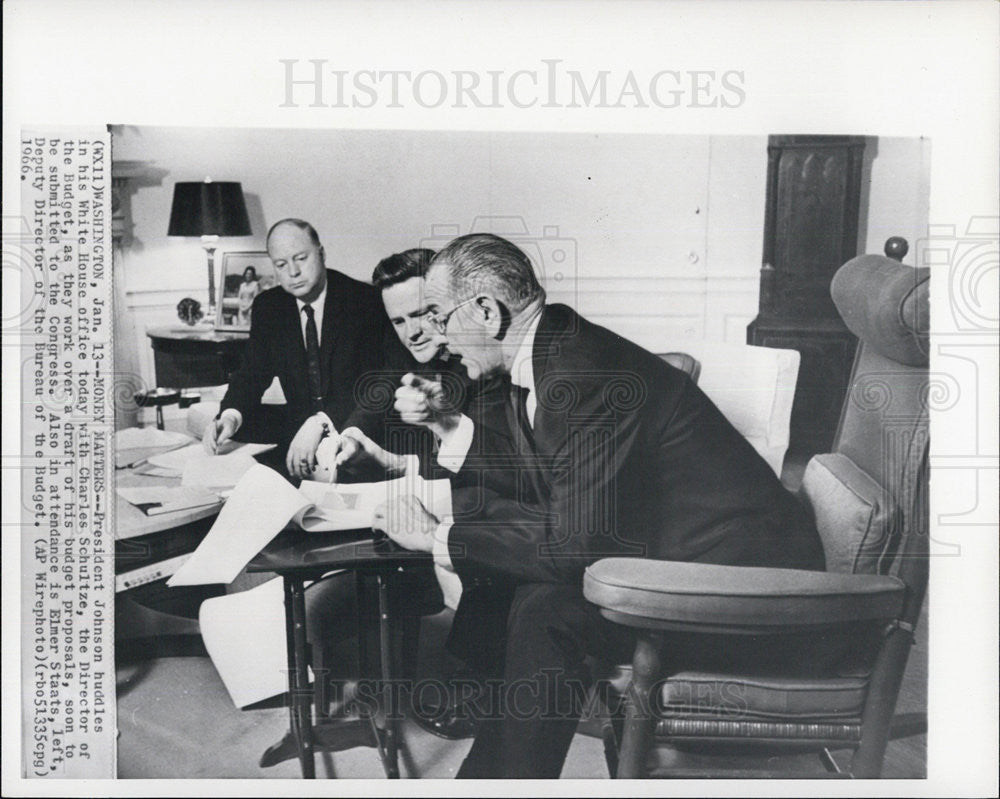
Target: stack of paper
x=351 y=505
x=263 y=502
x=196 y=467
x=260 y=506
x=154 y=500
x=134 y=445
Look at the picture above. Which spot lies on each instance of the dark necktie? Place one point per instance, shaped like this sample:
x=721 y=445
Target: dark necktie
x=517 y=412
x=312 y=360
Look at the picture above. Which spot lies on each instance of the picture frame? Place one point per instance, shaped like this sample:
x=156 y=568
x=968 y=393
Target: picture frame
x=234 y=308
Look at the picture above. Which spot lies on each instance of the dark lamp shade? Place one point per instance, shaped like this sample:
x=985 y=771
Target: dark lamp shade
x=209 y=209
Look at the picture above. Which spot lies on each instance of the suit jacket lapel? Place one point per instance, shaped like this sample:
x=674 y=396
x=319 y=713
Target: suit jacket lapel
x=543 y=358
x=296 y=347
x=537 y=453
x=555 y=324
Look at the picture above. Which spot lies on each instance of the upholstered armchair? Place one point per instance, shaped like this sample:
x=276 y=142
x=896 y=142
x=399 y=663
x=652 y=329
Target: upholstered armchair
x=869 y=500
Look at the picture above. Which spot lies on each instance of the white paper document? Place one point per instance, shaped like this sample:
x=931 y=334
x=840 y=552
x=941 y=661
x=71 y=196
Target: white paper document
x=263 y=502
x=244 y=634
x=351 y=505
x=218 y=473
x=155 y=500
x=258 y=509
x=134 y=445
x=177 y=459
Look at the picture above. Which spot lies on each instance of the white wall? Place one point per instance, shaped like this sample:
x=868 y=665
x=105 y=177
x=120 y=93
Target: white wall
x=663 y=234
x=899 y=196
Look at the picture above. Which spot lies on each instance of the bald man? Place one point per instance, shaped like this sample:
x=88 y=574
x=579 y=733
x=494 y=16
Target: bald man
x=312 y=339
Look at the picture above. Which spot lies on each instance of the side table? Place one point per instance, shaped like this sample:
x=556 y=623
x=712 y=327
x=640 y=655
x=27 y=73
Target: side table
x=152 y=620
x=187 y=357
x=299 y=557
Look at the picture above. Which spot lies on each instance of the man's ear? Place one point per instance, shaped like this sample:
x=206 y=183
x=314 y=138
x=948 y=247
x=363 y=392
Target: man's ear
x=492 y=315
x=497 y=318
x=322 y=255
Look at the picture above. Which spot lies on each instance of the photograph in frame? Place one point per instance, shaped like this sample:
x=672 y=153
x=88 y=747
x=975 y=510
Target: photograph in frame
x=244 y=275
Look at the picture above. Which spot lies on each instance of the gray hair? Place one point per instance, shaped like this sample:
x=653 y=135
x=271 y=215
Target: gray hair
x=483 y=262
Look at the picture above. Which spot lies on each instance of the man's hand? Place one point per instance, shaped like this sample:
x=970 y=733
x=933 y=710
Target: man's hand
x=422 y=401
x=406 y=521
x=301 y=458
x=355 y=446
x=218 y=432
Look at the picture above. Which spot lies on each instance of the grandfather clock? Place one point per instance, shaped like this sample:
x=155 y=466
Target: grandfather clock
x=810 y=230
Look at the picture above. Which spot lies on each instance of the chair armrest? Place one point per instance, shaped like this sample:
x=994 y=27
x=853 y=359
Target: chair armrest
x=659 y=593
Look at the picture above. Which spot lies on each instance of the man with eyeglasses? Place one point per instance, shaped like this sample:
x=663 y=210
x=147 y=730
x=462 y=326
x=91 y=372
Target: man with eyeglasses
x=618 y=454
x=379 y=445
x=420 y=366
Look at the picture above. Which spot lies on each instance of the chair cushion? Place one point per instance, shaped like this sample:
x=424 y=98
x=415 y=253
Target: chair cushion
x=764 y=697
x=754 y=387
x=857 y=520
x=707 y=594
x=886 y=304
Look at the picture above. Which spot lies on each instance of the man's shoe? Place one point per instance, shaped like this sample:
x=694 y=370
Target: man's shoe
x=450 y=721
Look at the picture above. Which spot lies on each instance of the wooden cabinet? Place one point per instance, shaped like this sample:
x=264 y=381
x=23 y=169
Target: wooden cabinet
x=192 y=357
x=810 y=229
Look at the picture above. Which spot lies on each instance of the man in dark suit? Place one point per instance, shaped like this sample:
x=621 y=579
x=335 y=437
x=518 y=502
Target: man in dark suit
x=411 y=350
x=377 y=445
x=312 y=338
x=415 y=356
x=617 y=453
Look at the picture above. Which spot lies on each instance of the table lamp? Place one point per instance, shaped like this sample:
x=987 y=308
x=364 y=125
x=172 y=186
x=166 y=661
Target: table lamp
x=209 y=209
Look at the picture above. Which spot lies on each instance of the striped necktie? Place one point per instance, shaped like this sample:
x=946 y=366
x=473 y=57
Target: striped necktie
x=312 y=360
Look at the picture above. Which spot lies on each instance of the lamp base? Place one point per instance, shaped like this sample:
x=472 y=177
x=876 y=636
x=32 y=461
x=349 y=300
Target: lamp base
x=208 y=244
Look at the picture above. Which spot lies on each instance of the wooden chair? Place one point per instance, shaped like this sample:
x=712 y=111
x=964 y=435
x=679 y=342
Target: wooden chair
x=686 y=363
x=869 y=498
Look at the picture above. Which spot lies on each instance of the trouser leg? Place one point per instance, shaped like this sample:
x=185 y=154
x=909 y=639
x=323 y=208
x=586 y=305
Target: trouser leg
x=550 y=630
x=333 y=615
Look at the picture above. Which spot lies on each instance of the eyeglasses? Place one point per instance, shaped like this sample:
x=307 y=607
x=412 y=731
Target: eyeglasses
x=439 y=321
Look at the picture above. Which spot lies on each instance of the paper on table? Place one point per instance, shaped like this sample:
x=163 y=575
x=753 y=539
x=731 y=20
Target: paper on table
x=155 y=500
x=136 y=444
x=177 y=459
x=263 y=502
x=219 y=472
x=154 y=471
x=351 y=505
x=133 y=437
x=244 y=634
x=258 y=509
